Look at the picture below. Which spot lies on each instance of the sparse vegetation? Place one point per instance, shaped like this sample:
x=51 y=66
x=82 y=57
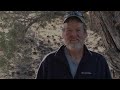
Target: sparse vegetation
x=26 y=36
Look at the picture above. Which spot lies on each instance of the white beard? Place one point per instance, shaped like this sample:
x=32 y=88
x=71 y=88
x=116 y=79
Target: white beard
x=77 y=45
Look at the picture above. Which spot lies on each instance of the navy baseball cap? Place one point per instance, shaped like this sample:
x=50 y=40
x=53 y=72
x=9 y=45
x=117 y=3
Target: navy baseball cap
x=77 y=14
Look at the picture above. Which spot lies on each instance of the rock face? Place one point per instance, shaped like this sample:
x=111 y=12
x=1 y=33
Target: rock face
x=38 y=43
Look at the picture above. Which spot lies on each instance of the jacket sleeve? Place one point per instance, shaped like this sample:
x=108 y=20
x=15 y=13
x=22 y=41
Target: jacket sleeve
x=41 y=72
x=43 y=68
x=106 y=70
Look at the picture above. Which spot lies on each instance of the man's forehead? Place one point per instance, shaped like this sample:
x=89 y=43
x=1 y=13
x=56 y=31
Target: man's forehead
x=72 y=24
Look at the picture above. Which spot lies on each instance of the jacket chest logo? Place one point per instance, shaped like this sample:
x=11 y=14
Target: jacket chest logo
x=86 y=73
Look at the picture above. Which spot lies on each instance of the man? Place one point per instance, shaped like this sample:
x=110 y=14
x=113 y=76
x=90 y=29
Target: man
x=73 y=60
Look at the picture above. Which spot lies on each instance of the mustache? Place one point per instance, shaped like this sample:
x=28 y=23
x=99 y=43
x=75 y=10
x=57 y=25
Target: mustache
x=74 y=40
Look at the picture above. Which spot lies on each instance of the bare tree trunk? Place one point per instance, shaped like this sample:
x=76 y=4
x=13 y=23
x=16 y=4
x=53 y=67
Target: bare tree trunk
x=107 y=23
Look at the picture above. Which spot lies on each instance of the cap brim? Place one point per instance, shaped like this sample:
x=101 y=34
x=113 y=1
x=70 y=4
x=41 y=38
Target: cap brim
x=81 y=19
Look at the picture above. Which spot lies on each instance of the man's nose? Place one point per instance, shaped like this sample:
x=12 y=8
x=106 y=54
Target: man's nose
x=74 y=33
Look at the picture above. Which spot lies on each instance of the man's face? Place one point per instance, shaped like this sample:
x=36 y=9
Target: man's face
x=74 y=34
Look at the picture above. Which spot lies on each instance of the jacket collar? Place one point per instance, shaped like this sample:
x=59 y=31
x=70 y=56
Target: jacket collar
x=61 y=55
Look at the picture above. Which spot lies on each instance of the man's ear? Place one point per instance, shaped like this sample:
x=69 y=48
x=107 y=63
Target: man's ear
x=62 y=32
x=86 y=34
x=62 y=36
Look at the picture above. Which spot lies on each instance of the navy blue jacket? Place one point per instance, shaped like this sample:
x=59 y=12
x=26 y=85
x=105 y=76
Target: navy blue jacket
x=91 y=66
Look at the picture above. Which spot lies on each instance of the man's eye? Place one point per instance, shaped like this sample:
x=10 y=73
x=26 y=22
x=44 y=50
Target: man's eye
x=78 y=30
x=69 y=30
